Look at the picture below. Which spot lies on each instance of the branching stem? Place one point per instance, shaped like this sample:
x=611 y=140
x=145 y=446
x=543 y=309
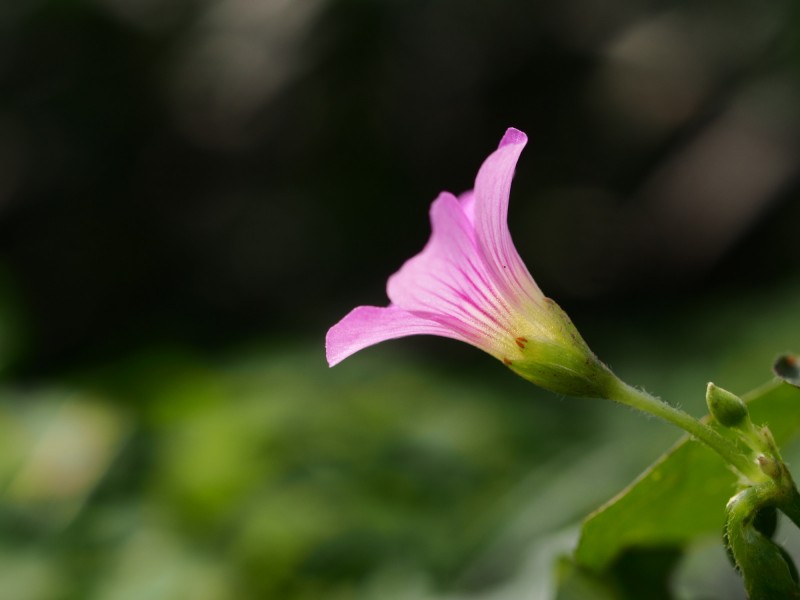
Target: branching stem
x=641 y=400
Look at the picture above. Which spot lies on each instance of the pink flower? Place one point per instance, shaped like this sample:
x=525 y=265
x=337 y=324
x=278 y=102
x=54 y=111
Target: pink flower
x=469 y=283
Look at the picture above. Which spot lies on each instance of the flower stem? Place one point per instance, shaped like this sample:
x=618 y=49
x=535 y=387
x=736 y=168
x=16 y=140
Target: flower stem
x=641 y=400
x=789 y=502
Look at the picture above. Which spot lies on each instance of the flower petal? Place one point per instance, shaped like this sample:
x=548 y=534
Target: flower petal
x=449 y=279
x=492 y=189
x=368 y=325
x=467 y=201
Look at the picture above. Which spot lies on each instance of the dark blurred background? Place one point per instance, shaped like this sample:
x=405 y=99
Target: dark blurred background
x=192 y=191
x=207 y=170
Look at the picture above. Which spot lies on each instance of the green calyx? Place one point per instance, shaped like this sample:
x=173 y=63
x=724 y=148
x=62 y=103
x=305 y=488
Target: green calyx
x=563 y=370
x=558 y=359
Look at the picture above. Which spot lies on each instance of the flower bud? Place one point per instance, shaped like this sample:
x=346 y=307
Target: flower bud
x=727 y=408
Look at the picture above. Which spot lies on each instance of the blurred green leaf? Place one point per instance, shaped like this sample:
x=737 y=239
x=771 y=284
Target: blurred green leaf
x=298 y=480
x=635 y=574
x=576 y=583
x=682 y=496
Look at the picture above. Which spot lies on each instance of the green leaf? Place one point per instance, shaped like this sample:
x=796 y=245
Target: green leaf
x=683 y=495
x=787 y=367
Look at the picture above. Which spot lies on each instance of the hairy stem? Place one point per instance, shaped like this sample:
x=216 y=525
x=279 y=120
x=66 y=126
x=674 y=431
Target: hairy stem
x=641 y=400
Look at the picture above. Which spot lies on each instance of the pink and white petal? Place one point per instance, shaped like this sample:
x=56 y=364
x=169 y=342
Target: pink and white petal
x=492 y=191
x=449 y=278
x=369 y=325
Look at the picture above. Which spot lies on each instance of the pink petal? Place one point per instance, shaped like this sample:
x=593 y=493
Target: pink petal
x=449 y=278
x=467 y=201
x=468 y=283
x=492 y=189
x=368 y=325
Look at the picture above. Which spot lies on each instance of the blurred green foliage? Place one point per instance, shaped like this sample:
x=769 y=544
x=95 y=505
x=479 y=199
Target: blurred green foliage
x=260 y=473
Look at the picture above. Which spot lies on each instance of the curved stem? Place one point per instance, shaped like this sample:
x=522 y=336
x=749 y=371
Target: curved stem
x=789 y=501
x=766 y=568
x=641 y=400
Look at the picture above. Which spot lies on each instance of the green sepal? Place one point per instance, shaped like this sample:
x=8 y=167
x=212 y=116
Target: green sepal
x=564 y=370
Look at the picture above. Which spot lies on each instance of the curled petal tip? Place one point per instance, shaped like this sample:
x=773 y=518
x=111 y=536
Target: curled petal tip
x=513 y=136
x=332 y=356
x=332 y=362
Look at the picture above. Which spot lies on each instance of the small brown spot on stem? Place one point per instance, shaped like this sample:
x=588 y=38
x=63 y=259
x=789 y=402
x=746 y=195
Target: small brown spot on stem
x=521 y=341
x=507 y=362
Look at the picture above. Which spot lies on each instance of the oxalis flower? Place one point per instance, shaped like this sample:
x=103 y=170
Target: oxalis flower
x=469 y=283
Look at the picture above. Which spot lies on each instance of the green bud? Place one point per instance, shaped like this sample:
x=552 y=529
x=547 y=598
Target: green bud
x=727 y=408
